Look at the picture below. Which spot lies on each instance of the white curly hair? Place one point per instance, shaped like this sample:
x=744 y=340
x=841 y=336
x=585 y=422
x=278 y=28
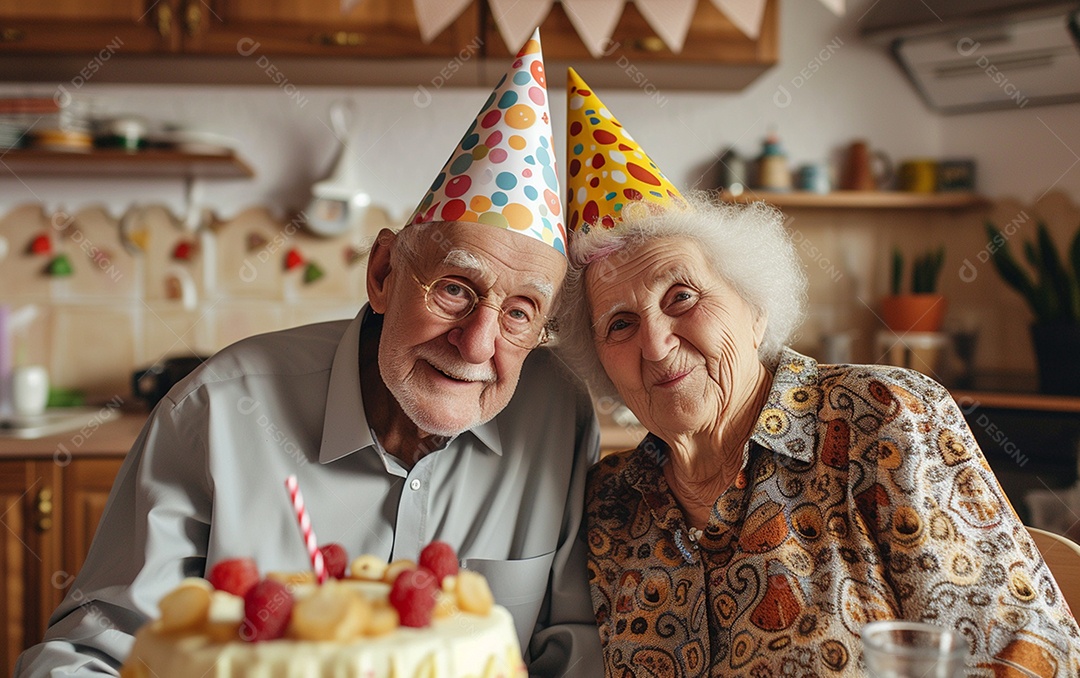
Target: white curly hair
x=747 y=246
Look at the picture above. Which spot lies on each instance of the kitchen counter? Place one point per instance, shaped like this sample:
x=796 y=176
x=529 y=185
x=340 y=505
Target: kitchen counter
x=95 y=438
x=115 y=437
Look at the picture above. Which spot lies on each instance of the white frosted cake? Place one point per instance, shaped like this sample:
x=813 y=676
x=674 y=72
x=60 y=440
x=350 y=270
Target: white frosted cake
x=360 y=626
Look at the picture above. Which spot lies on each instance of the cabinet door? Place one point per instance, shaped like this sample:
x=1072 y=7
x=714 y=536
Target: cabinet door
x=29 y=550
x=712 y=39
x=87 y=483
x=372 y=28
x=100 y=29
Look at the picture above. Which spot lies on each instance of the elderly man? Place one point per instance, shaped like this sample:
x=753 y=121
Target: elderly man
x=404 y=425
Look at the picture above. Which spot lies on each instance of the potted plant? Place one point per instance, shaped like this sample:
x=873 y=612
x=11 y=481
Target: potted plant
x=922 y=309
x=1052 y=291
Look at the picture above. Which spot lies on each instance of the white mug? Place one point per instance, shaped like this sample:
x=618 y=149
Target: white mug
x=29 y=389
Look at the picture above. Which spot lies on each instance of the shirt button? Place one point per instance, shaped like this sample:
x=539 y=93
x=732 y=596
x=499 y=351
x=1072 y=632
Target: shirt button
x=415 y=484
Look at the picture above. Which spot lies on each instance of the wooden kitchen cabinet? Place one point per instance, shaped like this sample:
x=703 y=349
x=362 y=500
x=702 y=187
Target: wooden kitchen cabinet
x=51 y=509
x=383 y=29
x=29 y=551
x=86 y=487
x=238 y=28
x=258 y=42
x=96 y=28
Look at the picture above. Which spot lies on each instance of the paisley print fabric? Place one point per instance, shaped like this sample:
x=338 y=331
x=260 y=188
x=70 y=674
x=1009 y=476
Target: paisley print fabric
x=862 y=496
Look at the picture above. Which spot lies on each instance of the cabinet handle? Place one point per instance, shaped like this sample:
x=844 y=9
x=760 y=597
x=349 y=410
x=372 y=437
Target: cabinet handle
x=164 y=20
x=339 y=39
x=12 y=35
x=649 y=44
x=45 y=509
x=193 y=18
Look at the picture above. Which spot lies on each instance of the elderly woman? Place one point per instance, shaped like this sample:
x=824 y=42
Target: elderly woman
x=778 y=504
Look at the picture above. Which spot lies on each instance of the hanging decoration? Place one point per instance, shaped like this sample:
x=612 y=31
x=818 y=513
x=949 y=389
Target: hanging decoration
x=312 y=272
x=183 y=251
x=293 y=258
x=836 y=6
x=41 y=244
x=255 y=241
x=745 y=14
x=517 y=20
x=594 y=21
x=353 y=255
x=59 y=267
x=434 y=16
x=669 y=18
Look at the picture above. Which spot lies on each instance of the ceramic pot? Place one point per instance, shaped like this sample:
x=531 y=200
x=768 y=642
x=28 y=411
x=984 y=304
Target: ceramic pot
x=1057 y=357
x=864 y=169
x=913 y=312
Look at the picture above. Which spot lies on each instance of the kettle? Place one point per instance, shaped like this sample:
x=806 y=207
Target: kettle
x=151 y=384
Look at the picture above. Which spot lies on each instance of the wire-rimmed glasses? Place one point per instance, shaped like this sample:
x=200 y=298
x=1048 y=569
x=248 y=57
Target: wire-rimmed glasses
x=520 y=322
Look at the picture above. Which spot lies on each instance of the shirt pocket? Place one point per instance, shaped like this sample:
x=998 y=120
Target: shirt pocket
x=519 y=586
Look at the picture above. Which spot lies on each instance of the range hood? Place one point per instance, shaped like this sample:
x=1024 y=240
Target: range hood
x=973 y=55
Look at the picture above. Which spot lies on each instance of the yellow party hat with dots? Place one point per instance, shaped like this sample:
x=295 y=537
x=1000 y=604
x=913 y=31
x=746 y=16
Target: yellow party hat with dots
x=607 y=168
x=502 y=173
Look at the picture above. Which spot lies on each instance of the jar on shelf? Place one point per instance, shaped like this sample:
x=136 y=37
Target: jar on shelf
x=774 y=174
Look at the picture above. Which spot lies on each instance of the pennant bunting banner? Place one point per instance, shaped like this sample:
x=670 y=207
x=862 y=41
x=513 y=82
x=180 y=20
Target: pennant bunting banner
x=517 y=20
x=745 y=14
x=594 y=21
x=669 y=18
x=434 y=16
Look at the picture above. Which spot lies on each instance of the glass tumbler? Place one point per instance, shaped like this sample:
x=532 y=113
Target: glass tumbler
x=904 y=649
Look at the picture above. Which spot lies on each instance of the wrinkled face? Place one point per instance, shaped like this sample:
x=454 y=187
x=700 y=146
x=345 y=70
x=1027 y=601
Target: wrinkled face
x=449 y=376
x=673 y=336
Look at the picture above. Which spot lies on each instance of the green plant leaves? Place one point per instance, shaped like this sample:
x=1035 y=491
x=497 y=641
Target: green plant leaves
x=1053 y=291
x=925 y=271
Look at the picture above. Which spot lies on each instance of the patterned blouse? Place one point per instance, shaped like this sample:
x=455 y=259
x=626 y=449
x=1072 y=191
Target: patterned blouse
x=862 y=496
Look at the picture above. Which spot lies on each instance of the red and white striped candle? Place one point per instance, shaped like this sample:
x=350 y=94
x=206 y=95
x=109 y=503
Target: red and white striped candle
x=302 y=519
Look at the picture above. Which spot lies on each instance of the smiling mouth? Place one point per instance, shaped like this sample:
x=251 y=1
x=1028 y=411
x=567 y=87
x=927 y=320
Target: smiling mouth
x=671 y=379
x=461 y=379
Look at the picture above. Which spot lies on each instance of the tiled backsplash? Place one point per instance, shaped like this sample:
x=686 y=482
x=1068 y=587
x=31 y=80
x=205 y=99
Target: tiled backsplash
x=129 y=302
x=132 y=297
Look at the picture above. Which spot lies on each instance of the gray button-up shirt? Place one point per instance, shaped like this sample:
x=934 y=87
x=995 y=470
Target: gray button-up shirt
x=205 y=481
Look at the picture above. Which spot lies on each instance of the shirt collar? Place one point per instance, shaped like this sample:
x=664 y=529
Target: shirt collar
x=345 y=425
x=776 y=429
x=795 y=394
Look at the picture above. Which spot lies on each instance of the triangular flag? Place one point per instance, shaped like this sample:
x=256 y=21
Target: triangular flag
x=517 y=19
x=837 y=6
x=745 y=14
x=594 y=21
x=503 y=173
x=433 y=16
x=669 y=18
x=607 y=168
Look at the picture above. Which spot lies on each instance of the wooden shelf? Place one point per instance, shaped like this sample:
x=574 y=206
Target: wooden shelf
x=1034 y=402
x=874 y=200
x=117 y=162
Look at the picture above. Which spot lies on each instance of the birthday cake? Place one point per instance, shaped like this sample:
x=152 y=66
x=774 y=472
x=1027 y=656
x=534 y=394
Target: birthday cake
x=371 y=619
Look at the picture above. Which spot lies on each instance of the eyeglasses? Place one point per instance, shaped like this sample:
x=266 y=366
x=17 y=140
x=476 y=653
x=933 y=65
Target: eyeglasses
x=520 y=322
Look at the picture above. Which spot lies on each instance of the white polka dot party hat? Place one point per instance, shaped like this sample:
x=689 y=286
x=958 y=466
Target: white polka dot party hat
x=503 y=171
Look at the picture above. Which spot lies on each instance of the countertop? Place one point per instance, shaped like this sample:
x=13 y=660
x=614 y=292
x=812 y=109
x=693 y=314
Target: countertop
x=115 y=437
x=95 y=438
